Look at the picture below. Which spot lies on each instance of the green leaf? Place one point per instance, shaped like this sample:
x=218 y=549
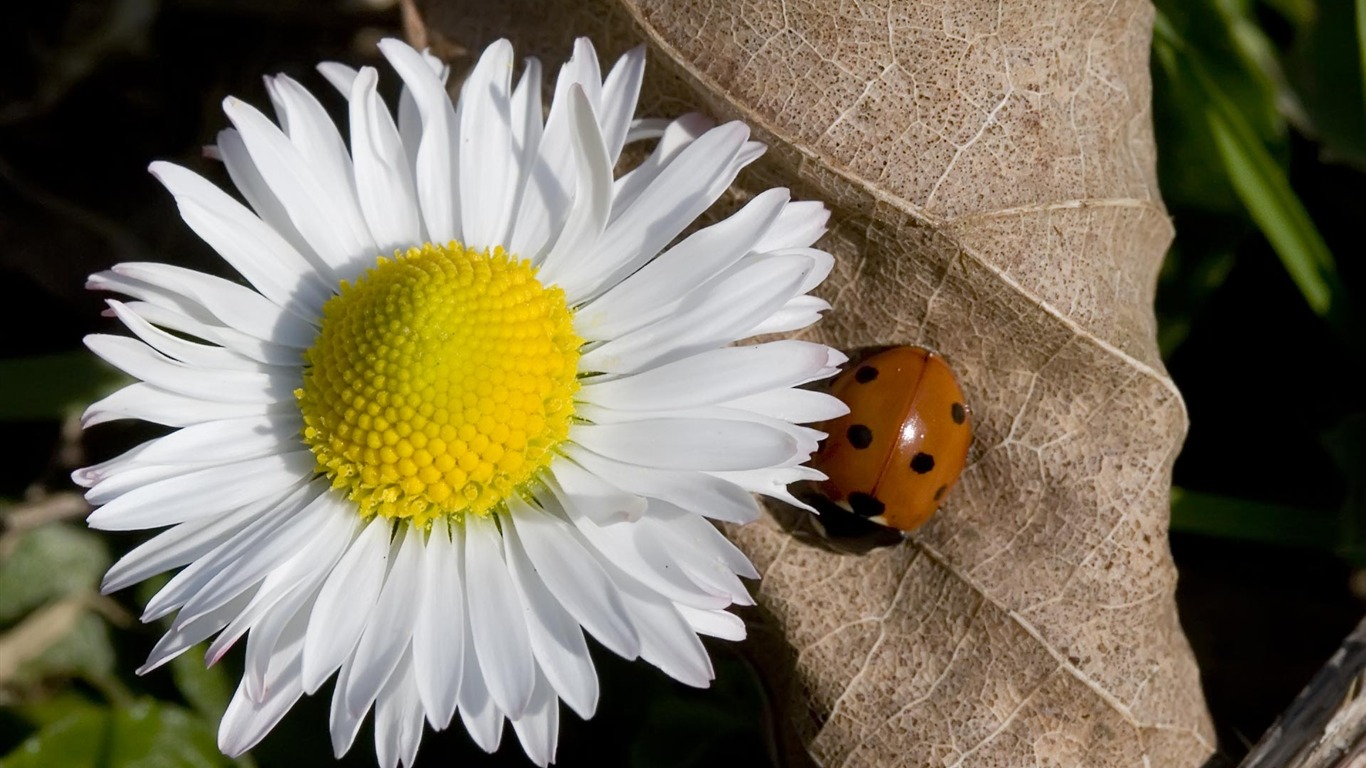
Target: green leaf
x=53 y=386
x=49 y=563
x=85 y=651
x=1299 y=13
x=145 y=735
x=1230 y=518
x=1261 y=185
x=45 y=711
x=1325 y=67
x=1236 y=56
x=1360 y=13
x=207 y=689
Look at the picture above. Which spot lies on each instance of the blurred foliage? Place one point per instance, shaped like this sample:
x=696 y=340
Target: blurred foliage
x=1260 y=116
x=1260 y=122
x=145 y=733
x=53 y=386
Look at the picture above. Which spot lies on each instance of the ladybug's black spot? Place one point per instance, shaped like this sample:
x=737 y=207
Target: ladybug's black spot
x=865 y=504
x=939 y=492
x=922 y=463
x=860 y=436
x=959 y=413
x=865 y=374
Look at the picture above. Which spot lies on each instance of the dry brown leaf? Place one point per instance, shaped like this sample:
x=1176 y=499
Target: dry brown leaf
x=991 y=171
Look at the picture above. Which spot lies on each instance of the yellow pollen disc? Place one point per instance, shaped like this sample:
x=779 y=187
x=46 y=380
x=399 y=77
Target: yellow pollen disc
x=440 y=383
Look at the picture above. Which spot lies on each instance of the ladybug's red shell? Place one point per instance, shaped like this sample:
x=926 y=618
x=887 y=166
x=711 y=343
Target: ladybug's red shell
x=905 y=440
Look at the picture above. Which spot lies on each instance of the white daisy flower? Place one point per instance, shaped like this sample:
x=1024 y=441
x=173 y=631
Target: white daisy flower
x=478 y=399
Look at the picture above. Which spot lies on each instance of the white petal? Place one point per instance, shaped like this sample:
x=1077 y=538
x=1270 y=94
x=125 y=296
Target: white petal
x=700 y=550
x=203 y=493
x=247 y=346
x=620 y=92
x=660 y=286
x=718 y=313
x=539 y=728
x=439 y=634
x=676 y=136
x=115 y=485
x=666 y=640
x=175 y=547
x=342 y=724
x=773 y=482
x=245 y=559
x=573 y=576
x=188 y=352
x=409 y=116
x=340 y=76
x=398 y=718
x=255 y=250
x=234 y=386
x=705 y=444
x=550 y=186
x=223 y=441
x=556 y=638
x=171 y=300
x=699 y=492
x=345 y=603
x=796 y=314
x=805 y=440
x=799 y=406
x=496 y=618
x=481 y=716
x=822 y=264
x=327 y=218
x=528 y=123
x=633 y=549
x=722 y=624
x=713 y=376
x=384 y=181
x=247 y=722
x=237 y=306
x=262 y=199
x=706 y=536
x=488 y=170
x=87 y=477
x=292 y=588
x=312 y=131
x=160 y=406
x=599 y=499
x=183 y=637
x=436 y=162
x=592 y=200
x=277 y=630
x=645 y=128
x=390 y=625
x=801 y=224
x=688 y=186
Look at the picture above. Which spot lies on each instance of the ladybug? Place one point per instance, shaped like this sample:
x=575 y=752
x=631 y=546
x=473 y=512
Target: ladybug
x=902 y=445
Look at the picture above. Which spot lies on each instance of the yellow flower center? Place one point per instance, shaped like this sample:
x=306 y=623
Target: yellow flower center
x=440 y=383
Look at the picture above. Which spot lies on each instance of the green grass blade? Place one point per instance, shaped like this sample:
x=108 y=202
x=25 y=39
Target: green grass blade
x=1229 y=518
x=1260 y=184
x=1361 y=40
x=1276 y=209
